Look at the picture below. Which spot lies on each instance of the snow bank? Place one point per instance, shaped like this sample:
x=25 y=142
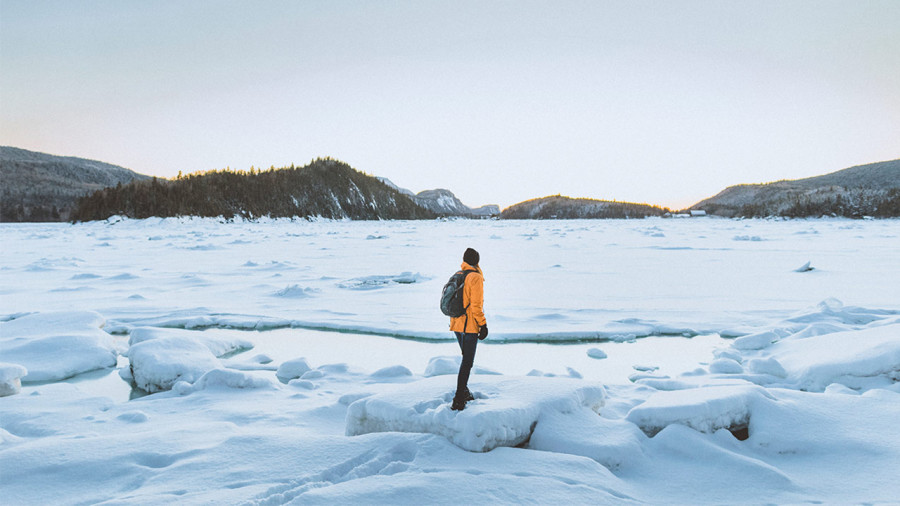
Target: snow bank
x=704 y=409
x=57 y=345
x=504 y=413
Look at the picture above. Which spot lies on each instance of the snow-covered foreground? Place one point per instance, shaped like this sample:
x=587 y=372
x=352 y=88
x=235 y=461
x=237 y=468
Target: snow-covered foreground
x=797 y=403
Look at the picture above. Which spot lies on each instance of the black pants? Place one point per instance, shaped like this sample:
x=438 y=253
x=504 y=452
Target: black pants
x=467 y=344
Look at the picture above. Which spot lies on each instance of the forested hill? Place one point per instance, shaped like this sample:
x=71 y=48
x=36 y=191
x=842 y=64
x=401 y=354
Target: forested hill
x=43 y=187
x=865 y=190
x=325 y=188
x=559 y=207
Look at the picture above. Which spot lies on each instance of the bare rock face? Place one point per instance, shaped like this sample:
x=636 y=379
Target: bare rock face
x=444 y=203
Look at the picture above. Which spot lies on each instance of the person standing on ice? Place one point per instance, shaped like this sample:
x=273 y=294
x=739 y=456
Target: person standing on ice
x=470 y=327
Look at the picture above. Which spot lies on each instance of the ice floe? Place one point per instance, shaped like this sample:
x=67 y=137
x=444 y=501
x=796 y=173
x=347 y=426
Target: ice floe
x=504 y=413
x=57 y=345
x=159 y=358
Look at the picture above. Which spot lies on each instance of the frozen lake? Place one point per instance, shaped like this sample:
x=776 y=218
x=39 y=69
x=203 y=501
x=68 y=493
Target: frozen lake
x=709 y=327
x=552 y=280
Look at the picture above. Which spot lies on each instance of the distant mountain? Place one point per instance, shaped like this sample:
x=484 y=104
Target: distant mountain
x=325 y=188
x=42 y=187
x=444 y=202
x=487 y=211
x=863 y=190
x=559 y=207
x=390 y=183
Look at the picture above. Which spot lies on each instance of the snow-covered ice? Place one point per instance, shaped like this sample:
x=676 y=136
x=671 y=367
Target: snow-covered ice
x=705 y=409
x=306 y=362
x=57 y=345
x=504 y=412
x=11 y=378
x=159 y=358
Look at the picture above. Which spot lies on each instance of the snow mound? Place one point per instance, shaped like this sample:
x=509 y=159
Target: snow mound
x=162 y=357
x=767 y=366
x=57 y=345
x=295 y=292
x=227 y=378
x=725 y=366
x=804 y=268
x=504 y=413
x=705 y=409
x=834 y=311
x=158 y=364
x=441 y=366
x=394 y=371
x=292 y=369
x=10 y=378
x=596 y=353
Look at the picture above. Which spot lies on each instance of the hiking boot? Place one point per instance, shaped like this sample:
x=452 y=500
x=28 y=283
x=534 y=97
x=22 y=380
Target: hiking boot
x=469 y=396
x=458 y=404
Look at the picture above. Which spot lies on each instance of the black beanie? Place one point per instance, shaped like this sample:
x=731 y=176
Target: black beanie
x=471 y=257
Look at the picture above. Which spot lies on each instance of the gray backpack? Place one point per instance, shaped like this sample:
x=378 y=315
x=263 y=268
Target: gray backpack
x=452 y=295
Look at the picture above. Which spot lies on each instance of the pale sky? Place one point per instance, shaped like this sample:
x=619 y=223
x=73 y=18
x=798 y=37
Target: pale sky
x=665 y=102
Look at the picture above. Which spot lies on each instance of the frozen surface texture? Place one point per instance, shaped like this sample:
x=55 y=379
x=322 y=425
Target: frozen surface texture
x=797 y=402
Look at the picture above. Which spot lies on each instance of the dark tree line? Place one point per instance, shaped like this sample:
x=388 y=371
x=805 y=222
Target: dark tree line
x=17 y=211
x=34 y=204
x=850 y=204
x=325 y=188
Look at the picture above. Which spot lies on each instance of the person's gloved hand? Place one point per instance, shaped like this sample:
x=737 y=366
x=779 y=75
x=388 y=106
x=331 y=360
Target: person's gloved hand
x=483 y=332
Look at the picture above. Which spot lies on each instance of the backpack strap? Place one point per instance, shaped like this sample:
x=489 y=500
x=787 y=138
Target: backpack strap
x=465 y=275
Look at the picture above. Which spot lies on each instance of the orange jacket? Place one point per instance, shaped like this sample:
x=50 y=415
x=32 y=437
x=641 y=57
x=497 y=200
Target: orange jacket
x=473 y=298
